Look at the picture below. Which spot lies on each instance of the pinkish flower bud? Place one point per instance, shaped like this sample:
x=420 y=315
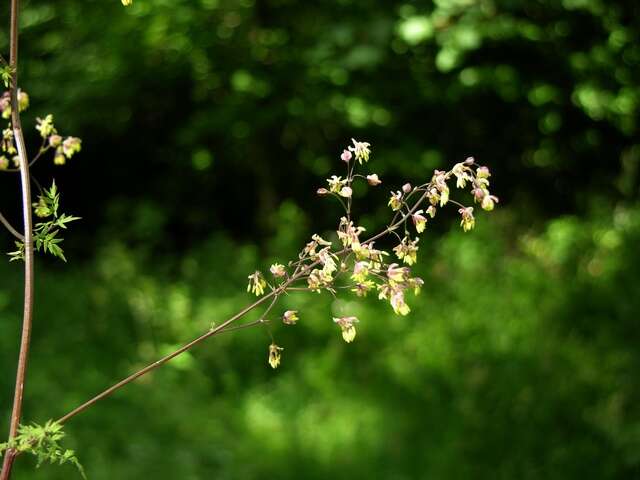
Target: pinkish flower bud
x=483 y=172
x=406 y=188
x=373 y=180
x=322 y=191
x=478 y=194
x=346 y=192
x=55 y=140
x=469 y=161
x=346 y=156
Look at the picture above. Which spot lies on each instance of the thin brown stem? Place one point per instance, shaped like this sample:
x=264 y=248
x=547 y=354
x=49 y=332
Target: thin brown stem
x=214 y=331
x=12 y=230
x=16 y=413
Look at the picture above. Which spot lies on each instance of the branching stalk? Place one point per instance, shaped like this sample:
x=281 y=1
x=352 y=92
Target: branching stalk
x=300 y=273
x=9 y=227
x=16 y=413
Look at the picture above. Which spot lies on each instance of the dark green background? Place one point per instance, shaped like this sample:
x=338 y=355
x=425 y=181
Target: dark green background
x=207 y=126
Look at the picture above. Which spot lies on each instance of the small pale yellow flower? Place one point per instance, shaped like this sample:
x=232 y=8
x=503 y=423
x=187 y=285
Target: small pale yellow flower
x=348 y=328
x=361 y=150
x=336 y=183
x=468 y=221
x=361 y=289
x=290 y=317
x=488 y=202
x=419 y=220
x=277 y=270
x=360 y=271
x=257 y=283
x=274 y=355
x=407 y=251
x=398 y=303
x=126 y=3
x=395 y=202
x=397 y=274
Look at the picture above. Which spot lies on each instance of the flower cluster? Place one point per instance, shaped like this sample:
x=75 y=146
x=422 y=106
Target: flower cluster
x=64 y=148
x=353 y=263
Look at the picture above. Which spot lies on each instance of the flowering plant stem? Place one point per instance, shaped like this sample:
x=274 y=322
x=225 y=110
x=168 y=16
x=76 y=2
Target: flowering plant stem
x=25 y=180
x=225 y=326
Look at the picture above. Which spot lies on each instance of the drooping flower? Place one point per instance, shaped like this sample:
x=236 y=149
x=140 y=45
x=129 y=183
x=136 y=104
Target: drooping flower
x=407 y=250
x=360 y=271
x=362 y=288
x=59 y=158
x=336 y=183
x=23 y=100
x=328 y=262
x=478 y=194
x=488 y=202
x=310 y=248
x=468 y=221
x=373 y=180
x=71 y=145
x=460 y=171
x=5 y=104
x=397 y=274
x=431 y=211
x=419 y=221
x=290 y=317
x=274 y=355
x=346 y=156
x=395 y=202
x=416 y=283
x=433 y=196
x=398 y=304
x=347 y=326
x=318 y=279
x=483 y=172
x=257 y=283
x=348 y=233
x=440 y=181
x=384 y=291
x=4 y=163
x=361 y=150
x=277 y=270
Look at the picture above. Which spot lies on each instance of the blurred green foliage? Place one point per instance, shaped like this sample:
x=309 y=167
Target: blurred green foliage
x=207 y=126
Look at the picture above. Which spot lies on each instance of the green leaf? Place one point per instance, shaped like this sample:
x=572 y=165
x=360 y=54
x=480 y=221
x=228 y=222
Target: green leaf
x=43 y=442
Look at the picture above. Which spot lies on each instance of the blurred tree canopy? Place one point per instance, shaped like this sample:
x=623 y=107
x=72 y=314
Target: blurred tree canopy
x=207 y=126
